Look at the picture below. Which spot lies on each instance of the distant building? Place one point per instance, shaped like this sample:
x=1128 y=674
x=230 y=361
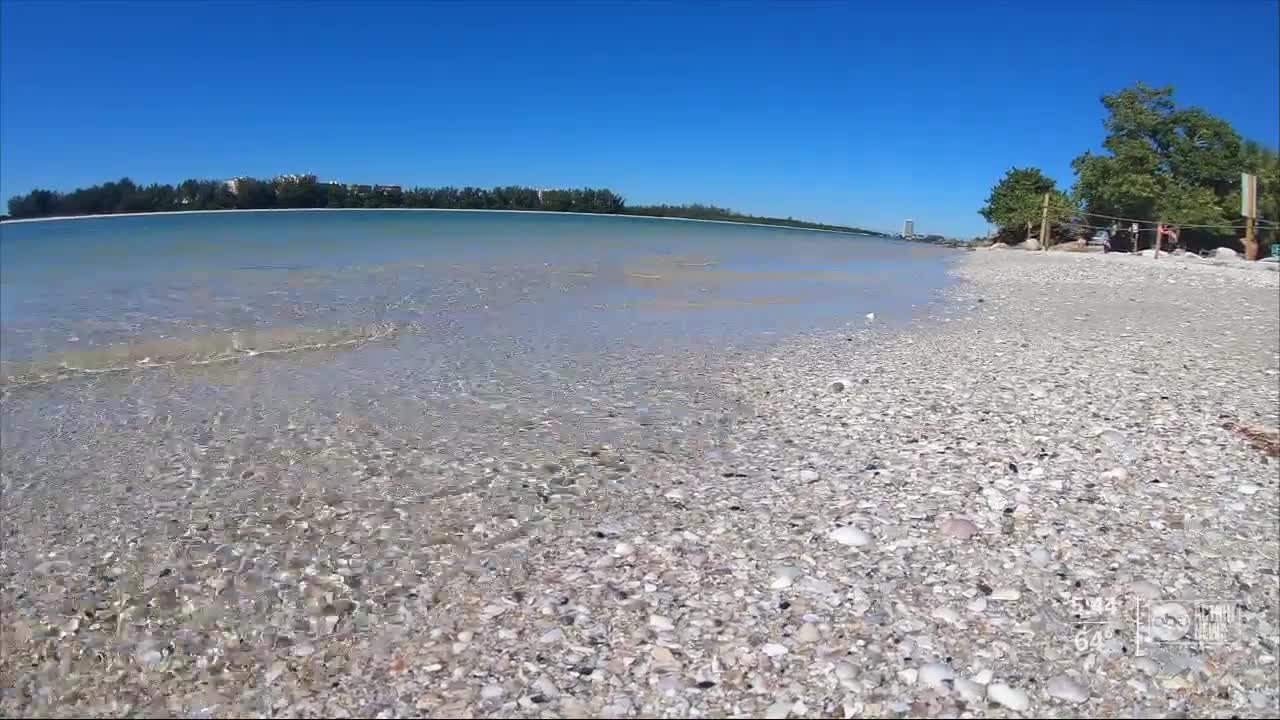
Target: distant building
x=909 y=228
x=387 y=188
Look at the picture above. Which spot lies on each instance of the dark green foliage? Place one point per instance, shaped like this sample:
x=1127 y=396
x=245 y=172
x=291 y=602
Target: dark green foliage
x=305 y=191
x=711 y=212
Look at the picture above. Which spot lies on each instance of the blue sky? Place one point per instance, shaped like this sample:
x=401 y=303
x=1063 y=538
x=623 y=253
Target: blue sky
x=862 y=112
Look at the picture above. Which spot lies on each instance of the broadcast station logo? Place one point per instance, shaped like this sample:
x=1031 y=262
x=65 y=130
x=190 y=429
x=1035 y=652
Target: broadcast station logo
x=1133 y=623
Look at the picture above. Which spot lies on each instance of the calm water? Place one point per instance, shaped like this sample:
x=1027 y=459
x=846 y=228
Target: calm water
x=472 y=333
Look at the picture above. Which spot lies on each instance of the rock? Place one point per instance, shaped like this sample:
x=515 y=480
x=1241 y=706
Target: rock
x=808 y=633
x=908 y=676
x=1007 y=594
x=839 y=385
x=1115 y=475
x=1041 y=558
x=1010 y=697
x=1111 y=436
x=624 y=549
x=675 y=494
x=551 y=636
x=1145 y=589
x=774 y=650
x=946 y=614
x=805 y=475
x=1248 y=489
x=663 y=658
x=850 y=536
x=983 y=676
x=1063 y=687
x=934 y=674
x=998 y=246
x=546 y=687
x=275 y=671
x=1146 y=665
x=959 y=527
x=785 y=577
x=778 y=711
x=491 y=692
x=1030 y=244
x=303 y=650
x=661 y=623
x=978 y=604
x=970 y=691
x=995 y=500
x=1223 y=253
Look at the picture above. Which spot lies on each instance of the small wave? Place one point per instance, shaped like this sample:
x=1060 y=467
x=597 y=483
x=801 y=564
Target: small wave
x=211 y=349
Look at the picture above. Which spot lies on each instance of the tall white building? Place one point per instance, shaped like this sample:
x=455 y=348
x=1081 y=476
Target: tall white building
x=908 y=228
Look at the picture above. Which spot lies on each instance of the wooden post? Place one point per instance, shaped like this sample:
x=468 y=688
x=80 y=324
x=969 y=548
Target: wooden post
x=1044 y=224
x=1159 y=237
x=1250 y=244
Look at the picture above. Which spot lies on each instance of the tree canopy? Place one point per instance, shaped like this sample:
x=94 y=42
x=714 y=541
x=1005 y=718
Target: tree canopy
x=1016 y=203
x=1160 y=163
x=305 y=191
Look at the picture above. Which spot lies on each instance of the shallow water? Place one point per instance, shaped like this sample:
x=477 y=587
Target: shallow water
x=129 y=342
x=225 y=435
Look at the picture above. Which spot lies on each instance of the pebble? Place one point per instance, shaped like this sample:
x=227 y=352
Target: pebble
x=959 y=527
x=946 y=614
x=662 y=657
x=785 y=577
x=774 y=649
x=661 y=623
x=839 y=385
x=624 y=549
x=552 y=635
x=1064 y=687
x=302 y=650
x=491 y=692
x=1041 y=557
x=1010 y=697
x=934 y=674
x=983 y=676
x=805 y=475
x=1248 y=489
x=1115 y=475
x=808 y=633
x=969 y=690
x=849 y=535
x=996 y=501
x=1006 y=594
x=1145 y=589
x=978 y=604
x=778 y=711
x=1146 y=665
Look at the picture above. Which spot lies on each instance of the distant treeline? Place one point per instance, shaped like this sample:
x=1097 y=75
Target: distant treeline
x=305 y=191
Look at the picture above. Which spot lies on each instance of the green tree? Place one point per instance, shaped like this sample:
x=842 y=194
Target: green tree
x=1162 y=163
x=1016 y=203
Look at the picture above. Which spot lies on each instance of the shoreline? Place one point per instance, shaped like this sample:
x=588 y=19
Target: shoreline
x=896 y=522
x=464 y=210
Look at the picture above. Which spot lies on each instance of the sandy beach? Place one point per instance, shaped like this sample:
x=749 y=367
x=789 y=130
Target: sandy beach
x=962 y=518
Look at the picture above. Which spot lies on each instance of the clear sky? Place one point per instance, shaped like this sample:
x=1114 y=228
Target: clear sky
x=862 y=112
